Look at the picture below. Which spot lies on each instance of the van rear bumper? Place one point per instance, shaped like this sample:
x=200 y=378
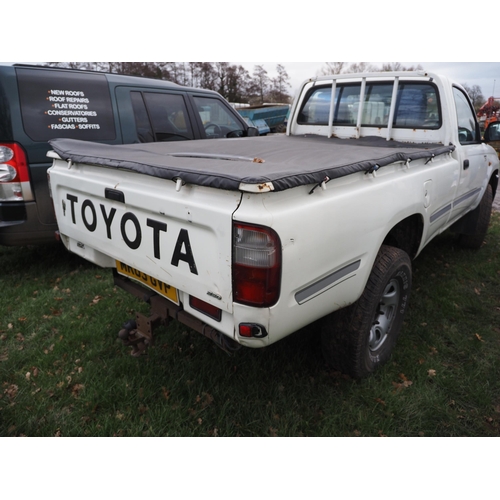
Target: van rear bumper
x=12 y=213
x=19 y=225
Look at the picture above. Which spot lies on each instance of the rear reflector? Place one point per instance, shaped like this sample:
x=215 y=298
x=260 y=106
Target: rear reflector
x=252 y=330
x=206 y=308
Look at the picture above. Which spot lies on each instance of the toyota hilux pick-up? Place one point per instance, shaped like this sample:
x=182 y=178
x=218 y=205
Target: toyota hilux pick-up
x=248 y=240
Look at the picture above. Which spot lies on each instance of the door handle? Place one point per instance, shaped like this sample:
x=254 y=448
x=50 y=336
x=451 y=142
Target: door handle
x=114 y=194
x=466 y=164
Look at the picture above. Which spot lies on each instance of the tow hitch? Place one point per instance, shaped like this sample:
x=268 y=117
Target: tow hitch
x=138 y=333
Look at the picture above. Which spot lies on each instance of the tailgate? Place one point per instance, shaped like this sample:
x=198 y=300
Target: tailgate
x=182 y=238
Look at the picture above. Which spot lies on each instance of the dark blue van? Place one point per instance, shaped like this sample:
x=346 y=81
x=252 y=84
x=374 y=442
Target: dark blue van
x=39 y=103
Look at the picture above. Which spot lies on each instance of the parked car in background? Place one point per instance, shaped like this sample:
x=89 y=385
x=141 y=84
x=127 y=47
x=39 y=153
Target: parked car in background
x=39 y=103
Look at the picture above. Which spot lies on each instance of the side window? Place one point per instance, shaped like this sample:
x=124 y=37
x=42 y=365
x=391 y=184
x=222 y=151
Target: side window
x=217 y=120
x=465 y=117
x=168 y=115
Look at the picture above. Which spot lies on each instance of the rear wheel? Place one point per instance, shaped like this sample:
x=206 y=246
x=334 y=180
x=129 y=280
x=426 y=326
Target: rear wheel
x=358 y=339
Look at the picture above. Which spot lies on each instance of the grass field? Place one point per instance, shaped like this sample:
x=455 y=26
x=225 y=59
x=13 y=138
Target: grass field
x=63 y=372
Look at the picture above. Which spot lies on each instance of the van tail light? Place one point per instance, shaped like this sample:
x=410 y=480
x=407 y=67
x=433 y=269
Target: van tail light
x=256 y=265
x=14 y=173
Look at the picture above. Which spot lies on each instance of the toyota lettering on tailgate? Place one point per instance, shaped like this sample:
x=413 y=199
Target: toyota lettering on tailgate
x=91 y=218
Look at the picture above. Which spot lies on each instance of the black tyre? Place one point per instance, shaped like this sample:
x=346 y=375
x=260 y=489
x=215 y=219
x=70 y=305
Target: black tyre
x=358 y=339
x=482 y=215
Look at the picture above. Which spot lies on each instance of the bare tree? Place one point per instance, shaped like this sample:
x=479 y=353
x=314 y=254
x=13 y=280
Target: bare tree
x=233 y=82
x=280 y=83
x=175 y=72
x=336 y=68
x=475 y=94
x=396 y=66
x=88 y=66
x=333 y=68
x=260 y=83
x=237 y=83
x=207 y=76
x=360 y=67
x=194 y=69
x=221 y=70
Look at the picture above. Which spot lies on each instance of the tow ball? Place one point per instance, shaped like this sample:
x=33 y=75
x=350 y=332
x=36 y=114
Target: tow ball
x=138 y=333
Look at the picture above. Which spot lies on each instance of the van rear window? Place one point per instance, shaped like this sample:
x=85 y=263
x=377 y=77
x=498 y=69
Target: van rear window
x=65 y=104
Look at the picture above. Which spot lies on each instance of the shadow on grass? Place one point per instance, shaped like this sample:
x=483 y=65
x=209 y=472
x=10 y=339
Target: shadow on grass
x=45 y=259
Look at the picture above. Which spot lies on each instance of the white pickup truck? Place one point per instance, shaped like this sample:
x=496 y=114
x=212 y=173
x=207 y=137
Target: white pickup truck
x=248 y=240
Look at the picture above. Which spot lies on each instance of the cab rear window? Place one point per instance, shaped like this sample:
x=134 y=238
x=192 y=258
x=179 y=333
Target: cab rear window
x=417 y=105
x=65 y=104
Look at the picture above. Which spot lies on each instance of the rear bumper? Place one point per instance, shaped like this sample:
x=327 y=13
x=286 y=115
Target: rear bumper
x=164 y=310
x=20 y=225
x=12 y=213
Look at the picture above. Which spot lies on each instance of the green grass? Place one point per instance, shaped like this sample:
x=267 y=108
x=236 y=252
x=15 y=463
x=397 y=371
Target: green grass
x=64 y=372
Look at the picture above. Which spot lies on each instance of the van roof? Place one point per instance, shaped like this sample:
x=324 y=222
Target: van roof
x=113 y=77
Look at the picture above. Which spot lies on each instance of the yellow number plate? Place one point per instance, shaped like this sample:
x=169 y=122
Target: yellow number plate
x=158 y=286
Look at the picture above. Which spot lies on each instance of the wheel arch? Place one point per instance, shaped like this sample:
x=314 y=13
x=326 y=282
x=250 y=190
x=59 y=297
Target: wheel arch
x=467 y=224
x=407 y=235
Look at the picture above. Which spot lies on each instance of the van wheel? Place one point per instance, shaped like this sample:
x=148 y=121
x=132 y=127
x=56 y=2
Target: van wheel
x=475 y=239
x=358 y=339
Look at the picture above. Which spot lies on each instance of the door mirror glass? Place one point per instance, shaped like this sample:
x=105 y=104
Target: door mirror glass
x=492 y=133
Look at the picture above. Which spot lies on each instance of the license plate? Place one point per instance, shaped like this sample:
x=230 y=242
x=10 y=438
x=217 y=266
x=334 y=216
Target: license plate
x=158 y=286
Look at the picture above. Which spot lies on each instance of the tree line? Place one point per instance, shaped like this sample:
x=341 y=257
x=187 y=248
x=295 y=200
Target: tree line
x=232 y=81
x=235 y=83
x=334 y=68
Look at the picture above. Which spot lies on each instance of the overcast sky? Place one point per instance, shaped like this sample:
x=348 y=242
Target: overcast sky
x=264 y=30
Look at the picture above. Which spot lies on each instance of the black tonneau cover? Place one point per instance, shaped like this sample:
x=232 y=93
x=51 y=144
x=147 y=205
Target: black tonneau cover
x=286 y=161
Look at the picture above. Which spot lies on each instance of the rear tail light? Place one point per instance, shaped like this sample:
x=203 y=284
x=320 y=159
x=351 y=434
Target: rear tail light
x=6 y=154
x=7 y=172
x=13 y=172
x=256 y=265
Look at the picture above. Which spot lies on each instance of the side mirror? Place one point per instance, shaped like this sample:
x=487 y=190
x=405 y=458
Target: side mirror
x=252 y=132
x=492 y=133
